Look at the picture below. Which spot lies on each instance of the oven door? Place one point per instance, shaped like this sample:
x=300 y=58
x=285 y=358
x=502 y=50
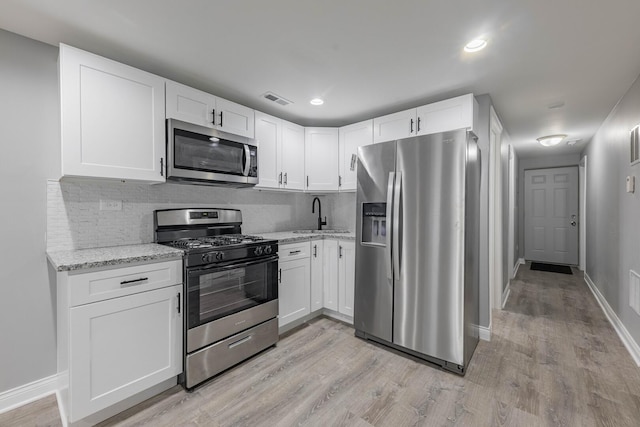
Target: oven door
x=204 y=154
x=223 y=300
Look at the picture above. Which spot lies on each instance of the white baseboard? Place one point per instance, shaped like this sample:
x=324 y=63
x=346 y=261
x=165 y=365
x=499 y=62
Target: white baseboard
x=485 y=333
x=518 y=264
x=623 y=333
x=28 y=393
x=506 y=293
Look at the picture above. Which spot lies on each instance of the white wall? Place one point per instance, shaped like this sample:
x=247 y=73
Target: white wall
x=613 y=215
x=29 y=119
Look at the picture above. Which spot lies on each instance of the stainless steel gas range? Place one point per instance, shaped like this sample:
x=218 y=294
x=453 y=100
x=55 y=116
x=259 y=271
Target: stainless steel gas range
x=231 y=288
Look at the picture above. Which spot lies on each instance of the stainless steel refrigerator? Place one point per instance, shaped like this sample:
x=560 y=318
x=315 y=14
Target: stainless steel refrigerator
x=417 y=246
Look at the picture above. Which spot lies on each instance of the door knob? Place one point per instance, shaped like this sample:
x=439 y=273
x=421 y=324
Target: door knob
x=573 y=223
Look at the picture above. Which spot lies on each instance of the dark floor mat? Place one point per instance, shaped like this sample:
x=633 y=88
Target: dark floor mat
x=553 y=268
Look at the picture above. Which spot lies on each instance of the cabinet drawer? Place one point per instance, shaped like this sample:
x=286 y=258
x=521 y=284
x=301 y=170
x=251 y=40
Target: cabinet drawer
x=294 y=251
x=102 y=285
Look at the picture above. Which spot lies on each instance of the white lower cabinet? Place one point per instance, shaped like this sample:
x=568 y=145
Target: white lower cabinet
x=120 y=340
x=123 y=346
x=317 y=284
x=346 y=276
x=330 y=274
x=294 y=287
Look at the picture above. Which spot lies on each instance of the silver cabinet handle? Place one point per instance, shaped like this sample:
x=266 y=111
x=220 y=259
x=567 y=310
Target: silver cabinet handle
x=213 y=113
x=285 y=178
x=340 y=251
x=411 y=129
x=133 y=282
x=280 y=178
x=294 y=252
x=315 y=251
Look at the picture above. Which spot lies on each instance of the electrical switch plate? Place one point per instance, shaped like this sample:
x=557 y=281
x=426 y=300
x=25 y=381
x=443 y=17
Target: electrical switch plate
x=110 y=205
x=631 y=184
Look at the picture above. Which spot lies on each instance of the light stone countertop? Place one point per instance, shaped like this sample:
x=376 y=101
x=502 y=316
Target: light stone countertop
x=284 y=237
x=80 y=259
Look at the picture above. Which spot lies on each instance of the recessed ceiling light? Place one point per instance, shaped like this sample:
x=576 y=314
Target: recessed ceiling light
x=475 y=45
x=316 y=101
x=551 y=140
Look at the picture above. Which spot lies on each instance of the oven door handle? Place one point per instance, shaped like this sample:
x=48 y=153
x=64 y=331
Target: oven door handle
x=204 y=270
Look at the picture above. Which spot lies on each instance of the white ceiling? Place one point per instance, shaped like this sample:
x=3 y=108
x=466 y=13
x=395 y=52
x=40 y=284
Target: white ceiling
x=369 y=57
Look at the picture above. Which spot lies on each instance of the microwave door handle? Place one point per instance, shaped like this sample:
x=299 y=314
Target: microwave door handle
x=247 y=160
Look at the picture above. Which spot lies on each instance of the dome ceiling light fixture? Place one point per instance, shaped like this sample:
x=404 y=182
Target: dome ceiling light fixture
x=551 y=140
x=316 y=101
x=475 y=45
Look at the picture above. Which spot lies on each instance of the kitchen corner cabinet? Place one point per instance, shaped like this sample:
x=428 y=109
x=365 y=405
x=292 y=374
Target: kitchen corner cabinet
x=112 y=119
x=321 y=159
x=350 y=138
x=294 y=285
x=201 y=108
x=317 y=284
x=119 y=335
x=281 y=153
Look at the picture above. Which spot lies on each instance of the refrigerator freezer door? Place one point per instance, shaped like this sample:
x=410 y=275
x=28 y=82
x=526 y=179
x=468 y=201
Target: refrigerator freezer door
x=373 y=308
x=429 y=295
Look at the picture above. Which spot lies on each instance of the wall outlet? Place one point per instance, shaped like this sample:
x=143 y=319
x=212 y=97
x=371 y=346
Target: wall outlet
x=110 y=205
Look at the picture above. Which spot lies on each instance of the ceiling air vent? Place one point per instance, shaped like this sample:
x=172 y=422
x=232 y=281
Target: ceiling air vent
x=276 y=98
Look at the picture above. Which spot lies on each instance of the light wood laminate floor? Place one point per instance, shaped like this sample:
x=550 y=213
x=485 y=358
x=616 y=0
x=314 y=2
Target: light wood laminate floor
x=553 y=360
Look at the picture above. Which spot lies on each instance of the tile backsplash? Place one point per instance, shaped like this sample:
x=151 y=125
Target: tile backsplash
x=75 y=221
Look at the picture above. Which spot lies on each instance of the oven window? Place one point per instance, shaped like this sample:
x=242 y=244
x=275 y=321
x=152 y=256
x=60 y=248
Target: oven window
x=197 y=152
x=217 y=293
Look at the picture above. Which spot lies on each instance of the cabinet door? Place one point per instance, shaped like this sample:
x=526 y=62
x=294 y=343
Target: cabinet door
x=321 y=159
x=267 y=131
x=346 y=276
x=330 y=273
x=395 y=126
x=190 y=105
x=235 y=118
x=450 y=114
x=352 y=137
x=122 y=346
x=316 y=274
x=294 y=291
x=112 y=118
x=292 y=156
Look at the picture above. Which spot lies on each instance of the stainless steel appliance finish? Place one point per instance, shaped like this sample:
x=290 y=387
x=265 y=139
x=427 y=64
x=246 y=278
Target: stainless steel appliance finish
x=417 y=252
x=231 y=288
x=201 y=155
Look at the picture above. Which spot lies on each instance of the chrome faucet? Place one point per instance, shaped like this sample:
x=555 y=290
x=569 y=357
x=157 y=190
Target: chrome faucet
x=313 y=210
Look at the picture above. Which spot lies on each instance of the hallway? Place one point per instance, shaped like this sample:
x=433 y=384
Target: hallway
x=553 y=360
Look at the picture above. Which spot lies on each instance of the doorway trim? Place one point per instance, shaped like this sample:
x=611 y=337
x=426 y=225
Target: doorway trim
x=495 y=213
x=582 y=215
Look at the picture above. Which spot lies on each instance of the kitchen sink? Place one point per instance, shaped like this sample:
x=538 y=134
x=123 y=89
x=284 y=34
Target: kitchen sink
x=320 y=231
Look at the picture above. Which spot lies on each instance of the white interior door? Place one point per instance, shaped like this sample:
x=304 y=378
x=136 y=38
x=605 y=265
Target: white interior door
x=551 y=215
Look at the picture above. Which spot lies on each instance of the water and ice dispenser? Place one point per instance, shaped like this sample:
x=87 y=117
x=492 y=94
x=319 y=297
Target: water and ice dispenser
x=374 y=224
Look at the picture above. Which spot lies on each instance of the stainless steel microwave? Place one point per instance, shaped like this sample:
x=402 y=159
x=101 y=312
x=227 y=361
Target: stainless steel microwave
x=202 y=155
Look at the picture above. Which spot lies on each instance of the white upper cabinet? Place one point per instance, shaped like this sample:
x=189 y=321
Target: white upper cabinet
x=395 y=126
x=293 y=149
x=195 y=106
x=450 y=114
x=112 y=119
x=321 y=159
x=280 y=153
x=351 y=137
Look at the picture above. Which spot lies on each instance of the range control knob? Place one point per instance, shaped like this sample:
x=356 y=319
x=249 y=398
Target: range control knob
x=258 y=250
x=206 y=258
x=267 y=250
x=219 y=256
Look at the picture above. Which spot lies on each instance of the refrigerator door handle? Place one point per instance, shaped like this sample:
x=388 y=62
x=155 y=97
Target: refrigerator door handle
x=397 y=193
x=388 y=242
